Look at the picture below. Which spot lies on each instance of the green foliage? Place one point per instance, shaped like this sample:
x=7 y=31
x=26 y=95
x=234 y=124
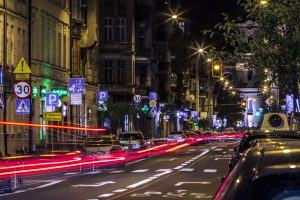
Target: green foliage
x=117 y=112
x=275 y=45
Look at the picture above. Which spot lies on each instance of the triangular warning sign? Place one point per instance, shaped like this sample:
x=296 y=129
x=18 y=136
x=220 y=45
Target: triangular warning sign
x=22 y=67
x=22 y=107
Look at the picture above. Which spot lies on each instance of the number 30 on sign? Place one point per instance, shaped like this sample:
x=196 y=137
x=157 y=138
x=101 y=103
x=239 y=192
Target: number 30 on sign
x=22 y=89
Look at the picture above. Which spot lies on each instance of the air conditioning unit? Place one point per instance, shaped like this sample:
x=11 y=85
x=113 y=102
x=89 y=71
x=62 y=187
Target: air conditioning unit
x=275 y=121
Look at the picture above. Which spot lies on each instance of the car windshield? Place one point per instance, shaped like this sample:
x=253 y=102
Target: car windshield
x=95 y=142
x=131 y=136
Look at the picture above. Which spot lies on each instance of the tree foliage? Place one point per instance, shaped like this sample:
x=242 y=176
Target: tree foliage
x=275 y=44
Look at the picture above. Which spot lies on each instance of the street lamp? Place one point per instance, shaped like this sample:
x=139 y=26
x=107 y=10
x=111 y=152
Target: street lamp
x=174 y=16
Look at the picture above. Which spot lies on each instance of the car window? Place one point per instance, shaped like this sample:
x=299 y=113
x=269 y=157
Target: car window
x=94 y=142
x=131 y=136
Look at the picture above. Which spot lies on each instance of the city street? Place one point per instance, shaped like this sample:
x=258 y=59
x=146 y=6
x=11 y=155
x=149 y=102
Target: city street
x=190 y=173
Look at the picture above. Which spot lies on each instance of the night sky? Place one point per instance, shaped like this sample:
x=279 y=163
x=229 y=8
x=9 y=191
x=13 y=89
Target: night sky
x=205 y=14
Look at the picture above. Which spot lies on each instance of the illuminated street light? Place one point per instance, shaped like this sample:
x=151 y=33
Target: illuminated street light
x=200 y=50
x=263 y=2
x=174 y=16
x=209 y=60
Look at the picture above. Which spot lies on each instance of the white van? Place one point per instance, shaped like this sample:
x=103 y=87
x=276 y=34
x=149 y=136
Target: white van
x=132 y=140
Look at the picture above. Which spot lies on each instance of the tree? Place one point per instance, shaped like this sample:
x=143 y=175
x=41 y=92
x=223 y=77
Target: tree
x=275 y=45
x=228 y=105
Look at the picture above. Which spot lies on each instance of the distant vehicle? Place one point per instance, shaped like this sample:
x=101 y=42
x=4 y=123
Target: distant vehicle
x=176 y=136
x=266 y=172
x=229 y=130
x=103 y=146
x=132 y=140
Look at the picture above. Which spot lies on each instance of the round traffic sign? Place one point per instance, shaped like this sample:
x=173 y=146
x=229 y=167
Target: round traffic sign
x=137 y=98
x=22 y=89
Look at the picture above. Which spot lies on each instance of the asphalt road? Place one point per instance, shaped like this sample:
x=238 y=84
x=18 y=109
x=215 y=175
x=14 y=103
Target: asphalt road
x=190 y=173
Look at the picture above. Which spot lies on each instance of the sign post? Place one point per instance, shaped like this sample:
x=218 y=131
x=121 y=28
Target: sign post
x=22 y=89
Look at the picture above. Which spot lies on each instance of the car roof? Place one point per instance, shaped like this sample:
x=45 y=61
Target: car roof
x=268 y=162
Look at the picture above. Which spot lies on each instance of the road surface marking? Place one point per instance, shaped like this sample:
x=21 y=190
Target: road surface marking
x=168 y=159
x=139 y=183
x=163 y=170
x=187 y=170
x=210 y=170
x=203 y=183
x=178 y=167
x=192 y=150
x=213 y=147
x=38 y=187
x=223 y=158
x=71 y=173
x=94 y=172
x=148 y=179
x=94 y=185
x=218 y=150
x=106 y=195
x=115 y=172
x=140 y=170
x=120 y=190
x=136 y=161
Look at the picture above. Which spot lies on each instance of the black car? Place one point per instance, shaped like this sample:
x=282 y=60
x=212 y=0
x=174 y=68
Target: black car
x=250 y=137
x=271 y=171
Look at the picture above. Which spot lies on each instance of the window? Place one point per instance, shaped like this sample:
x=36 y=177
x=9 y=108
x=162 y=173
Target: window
x=121 y=71
x=64 y=51
x=108 y=29
x=54 y=48
x=122 y=29
x=141 y=34
x=122 y=7
x=108 y=71
x=181 y=26
x=59 y=49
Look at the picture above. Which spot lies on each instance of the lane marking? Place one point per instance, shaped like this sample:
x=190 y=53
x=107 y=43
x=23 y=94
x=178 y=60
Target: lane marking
x=178 y=167
x=94 y=185
x=120 y=190
x=187 y=170
x=226 y=158
x=115 y=172
x=210 y=170
x=140 y=170
x=106 y=195
x=203 y=183
x=163 y=170
x=218 y=149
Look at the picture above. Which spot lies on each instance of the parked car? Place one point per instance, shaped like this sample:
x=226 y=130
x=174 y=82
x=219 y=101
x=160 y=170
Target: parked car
x=132 y=140
x=249 y=138
x=265 y=172
x=103 y=146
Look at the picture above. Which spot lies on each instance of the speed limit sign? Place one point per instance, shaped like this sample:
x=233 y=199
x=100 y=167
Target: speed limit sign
x=137 y=98
x=22 y=89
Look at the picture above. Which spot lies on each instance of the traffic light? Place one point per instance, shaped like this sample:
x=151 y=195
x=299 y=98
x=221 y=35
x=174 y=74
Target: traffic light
x=216 y=68
x=243 y=104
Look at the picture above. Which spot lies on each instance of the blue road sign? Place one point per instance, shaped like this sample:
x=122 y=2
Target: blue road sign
x=76 y=85
x=52 y=99
x=102 y=95
x=23 y=106
x=152 y=96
